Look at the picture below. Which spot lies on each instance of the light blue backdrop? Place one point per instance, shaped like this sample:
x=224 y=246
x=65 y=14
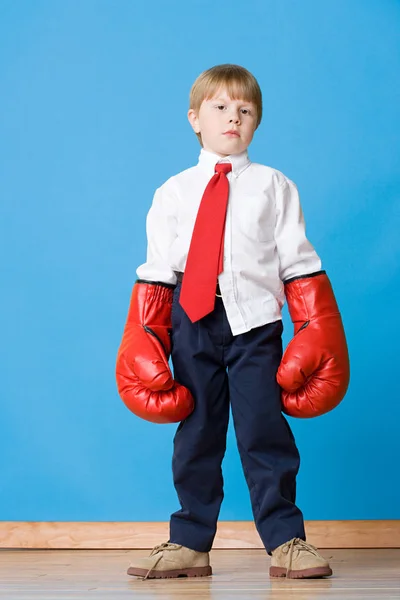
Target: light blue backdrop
x=93 y=103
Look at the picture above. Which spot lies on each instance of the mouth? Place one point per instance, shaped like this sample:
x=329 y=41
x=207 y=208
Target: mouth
x=232 y=133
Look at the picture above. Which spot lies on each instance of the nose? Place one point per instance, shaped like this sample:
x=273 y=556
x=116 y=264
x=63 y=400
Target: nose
x=235 y=118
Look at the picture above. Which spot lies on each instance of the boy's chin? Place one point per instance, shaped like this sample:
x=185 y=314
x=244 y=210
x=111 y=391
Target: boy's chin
x=227 y=147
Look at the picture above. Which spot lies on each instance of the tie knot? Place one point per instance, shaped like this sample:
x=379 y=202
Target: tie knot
x=223 y=167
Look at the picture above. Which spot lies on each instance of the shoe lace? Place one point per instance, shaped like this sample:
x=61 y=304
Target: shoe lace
x=157 y=552
x=301 y=546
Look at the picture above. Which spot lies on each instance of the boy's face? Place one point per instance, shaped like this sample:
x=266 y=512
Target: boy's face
x=219 y=115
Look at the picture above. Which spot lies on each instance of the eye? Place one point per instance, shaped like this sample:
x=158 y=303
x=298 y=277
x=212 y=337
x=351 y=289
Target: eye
x=220 y=106
x=246 y=111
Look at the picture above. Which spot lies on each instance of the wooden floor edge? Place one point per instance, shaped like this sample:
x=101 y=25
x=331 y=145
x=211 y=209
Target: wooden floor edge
x=230 y=534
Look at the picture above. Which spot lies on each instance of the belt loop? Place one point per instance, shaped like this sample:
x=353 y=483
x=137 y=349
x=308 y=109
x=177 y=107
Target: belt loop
x=179 y=276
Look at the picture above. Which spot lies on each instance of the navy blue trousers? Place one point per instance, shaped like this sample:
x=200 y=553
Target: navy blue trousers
x=222 y=370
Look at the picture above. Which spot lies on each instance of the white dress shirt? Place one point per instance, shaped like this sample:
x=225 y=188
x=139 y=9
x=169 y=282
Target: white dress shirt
x=265 y=241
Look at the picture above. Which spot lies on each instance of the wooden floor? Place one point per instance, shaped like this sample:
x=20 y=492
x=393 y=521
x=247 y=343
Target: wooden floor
x=101 y=574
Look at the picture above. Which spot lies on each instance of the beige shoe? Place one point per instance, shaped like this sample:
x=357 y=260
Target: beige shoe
x=171 y=560
x=297 y=560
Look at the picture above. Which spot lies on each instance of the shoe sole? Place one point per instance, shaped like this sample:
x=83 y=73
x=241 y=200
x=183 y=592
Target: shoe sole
x=192 y=572
x=305 y=574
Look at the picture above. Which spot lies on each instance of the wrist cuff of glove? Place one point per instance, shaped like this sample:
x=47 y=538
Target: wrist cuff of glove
x=151 y=303
x=155 y=291
x=310 y=296
x=304 y=276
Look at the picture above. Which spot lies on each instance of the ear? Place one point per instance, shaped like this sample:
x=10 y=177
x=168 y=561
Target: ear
x=193 y=120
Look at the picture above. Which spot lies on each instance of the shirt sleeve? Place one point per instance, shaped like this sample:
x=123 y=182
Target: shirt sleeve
x=296 y=254
x=161 y=224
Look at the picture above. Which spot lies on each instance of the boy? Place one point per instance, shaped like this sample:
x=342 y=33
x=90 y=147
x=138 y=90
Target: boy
x=210 y=295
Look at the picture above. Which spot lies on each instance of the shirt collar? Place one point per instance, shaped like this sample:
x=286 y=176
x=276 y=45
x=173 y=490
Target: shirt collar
x=208 y=160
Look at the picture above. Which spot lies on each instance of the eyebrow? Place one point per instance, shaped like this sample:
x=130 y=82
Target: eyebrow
x=225 y=99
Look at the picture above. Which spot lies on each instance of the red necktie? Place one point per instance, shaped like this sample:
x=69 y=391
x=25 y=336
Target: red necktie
x=205 y=260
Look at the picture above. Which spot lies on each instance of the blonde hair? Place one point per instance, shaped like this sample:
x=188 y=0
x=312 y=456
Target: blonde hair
x=240 y=84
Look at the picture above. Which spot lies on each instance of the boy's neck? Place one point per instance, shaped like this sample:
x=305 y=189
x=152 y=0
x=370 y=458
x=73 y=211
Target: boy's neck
x=223 y=155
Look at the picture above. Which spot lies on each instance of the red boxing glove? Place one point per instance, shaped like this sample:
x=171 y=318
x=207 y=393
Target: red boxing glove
x=144 y=379
x=314 y=372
